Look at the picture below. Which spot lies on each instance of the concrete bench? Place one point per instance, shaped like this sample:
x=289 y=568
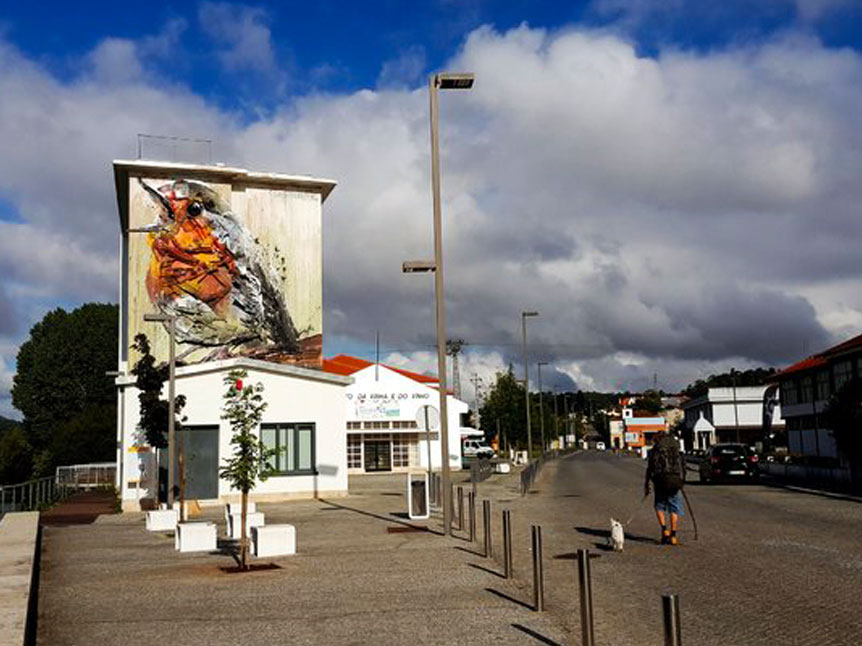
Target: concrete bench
x=273 y=540
x=236 y=508
x=195 y=537
x=162 y=520
x=254 y=519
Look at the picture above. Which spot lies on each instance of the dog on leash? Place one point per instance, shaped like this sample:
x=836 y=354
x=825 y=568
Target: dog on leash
x=618 y=536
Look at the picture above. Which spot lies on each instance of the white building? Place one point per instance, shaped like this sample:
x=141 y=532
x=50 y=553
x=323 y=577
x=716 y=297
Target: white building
x=734 y=415
x=381 y=408
x=305 y=418
x=234 y=257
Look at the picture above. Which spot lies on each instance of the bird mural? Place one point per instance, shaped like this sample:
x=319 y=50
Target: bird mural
x=208 y=272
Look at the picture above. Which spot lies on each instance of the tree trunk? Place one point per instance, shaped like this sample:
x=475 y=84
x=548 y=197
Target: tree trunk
x=243 y=541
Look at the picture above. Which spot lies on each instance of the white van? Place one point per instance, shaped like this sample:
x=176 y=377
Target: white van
x=472 y=448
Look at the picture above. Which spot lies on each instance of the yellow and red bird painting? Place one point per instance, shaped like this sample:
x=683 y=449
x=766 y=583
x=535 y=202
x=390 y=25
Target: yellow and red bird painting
x=208 y=272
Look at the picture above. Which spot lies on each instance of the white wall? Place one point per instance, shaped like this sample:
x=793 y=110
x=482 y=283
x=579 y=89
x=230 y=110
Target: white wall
x=379 y=393
x=290 y=398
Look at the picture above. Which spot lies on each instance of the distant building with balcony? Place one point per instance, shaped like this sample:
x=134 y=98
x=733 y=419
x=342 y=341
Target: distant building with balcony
x=805 y=389
x=728 y=415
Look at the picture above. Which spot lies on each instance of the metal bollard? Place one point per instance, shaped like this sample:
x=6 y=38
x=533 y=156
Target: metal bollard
x=538 y=573
x=471 y=504
x=586 y=589
x=460 y=509
x=672 y=628
x=486 y=526
x=507 y=544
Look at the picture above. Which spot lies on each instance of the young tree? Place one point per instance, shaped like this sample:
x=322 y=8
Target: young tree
x=150 y=380
x=243 y=409
x=505 y=404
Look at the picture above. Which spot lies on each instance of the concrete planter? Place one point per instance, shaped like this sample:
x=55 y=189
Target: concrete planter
x=195 y=537
x=252 y=519
x=274 y=540
x=162 y=520
x=236 y=508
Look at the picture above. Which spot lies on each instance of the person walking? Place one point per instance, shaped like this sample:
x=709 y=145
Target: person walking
x=666 y=472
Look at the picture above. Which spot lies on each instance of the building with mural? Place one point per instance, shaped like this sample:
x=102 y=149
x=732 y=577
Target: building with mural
x=231 y=260
x=384 y=409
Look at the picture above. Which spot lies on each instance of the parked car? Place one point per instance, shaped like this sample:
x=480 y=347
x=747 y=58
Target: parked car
x=477 y=449
x=600 y=446
x=729 y=462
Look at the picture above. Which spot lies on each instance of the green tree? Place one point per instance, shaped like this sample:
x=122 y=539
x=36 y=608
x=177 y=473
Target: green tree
x=752 y=377
x=505 y=405
x=61 y=376
x=150 y=381
x=243 y=409
x=649 y=402
x=16 y=456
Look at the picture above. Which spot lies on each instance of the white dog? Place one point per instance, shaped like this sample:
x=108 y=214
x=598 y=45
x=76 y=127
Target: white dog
x=618 y=535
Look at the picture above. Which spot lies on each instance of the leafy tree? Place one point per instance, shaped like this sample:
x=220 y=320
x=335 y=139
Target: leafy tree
x=649 y=402
x=843 y=415
x=505 y=405
x=753 y=377
x=150 y=380
x=16 y=455
x=243 y=409
x=61 y=376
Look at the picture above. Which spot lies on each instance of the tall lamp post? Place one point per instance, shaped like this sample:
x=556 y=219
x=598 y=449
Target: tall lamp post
x=442 y=81
x=171 y=323
x=541 y=407
x=524 y=317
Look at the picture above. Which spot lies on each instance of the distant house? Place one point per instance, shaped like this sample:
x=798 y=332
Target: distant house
x=728 y=415
x=639 y=431
x=805 y=388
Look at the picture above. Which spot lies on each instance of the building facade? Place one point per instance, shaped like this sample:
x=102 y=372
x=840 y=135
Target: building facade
x=224 y=265
x=384 y=410
x=731 y=415
x=805 y=389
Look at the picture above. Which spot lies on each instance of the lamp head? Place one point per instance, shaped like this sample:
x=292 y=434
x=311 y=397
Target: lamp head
x=454 y=80
x=526 y=314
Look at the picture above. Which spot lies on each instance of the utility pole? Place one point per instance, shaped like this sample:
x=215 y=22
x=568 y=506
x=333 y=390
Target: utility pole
x=541 y=406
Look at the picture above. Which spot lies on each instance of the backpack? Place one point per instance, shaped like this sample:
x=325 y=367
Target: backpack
x=666 y=465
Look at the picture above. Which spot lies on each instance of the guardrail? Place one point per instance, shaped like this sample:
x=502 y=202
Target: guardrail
x=87 y=476
x=31 y=495
x=481 y=469
x=531 y=472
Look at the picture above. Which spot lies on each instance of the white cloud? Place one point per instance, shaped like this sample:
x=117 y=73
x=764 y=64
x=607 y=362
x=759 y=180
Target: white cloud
x=683 y=209
x=404 y=71
x=243 y=37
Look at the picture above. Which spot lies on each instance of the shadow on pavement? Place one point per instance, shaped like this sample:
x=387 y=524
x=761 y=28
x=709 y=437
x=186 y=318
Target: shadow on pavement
x=505 y=596
x=535 y=635
x=605 y=533
x=485 y=569
x=387 y=519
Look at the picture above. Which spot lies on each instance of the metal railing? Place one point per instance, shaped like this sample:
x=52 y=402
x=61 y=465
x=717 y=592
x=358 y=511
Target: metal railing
x=531 y=472
x=31 y=495
x=87 y=476
x=481 y=469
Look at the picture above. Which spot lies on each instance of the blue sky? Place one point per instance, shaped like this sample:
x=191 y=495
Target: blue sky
x=672 y=184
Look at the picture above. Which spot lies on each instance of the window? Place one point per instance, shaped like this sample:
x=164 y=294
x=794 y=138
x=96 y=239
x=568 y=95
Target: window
x=823 y=385
x=353 y=426
x=789 y=393
x=806 y=390
x=375 y=425
x=354 y=451
x=400 y=452
x=404 y=424
x=294 y=446
x=843 y=371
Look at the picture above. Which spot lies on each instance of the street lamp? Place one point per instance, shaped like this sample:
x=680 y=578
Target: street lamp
x=442 y=81
x=171 y=323
x=524 y=316
x=541 y=407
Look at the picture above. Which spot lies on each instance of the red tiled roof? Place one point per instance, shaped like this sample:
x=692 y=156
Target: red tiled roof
x=809 y=362
x=821 y=358
x=849 y=344
x=344 y=364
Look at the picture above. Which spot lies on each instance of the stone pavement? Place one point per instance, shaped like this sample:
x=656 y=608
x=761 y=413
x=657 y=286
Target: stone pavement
x=771 y=566
x=361 y=576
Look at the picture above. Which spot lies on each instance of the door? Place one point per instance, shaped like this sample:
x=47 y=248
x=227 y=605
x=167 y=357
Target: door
x=200 y=461
x=378 y=455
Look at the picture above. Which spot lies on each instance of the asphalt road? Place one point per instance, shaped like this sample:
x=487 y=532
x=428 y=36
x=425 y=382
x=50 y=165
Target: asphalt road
x=771 y=566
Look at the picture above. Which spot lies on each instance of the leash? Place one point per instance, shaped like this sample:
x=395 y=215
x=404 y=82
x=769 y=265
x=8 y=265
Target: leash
x=691 y=511
x=637 y=509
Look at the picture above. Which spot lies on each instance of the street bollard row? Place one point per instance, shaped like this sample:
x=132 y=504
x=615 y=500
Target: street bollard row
x=486 y=527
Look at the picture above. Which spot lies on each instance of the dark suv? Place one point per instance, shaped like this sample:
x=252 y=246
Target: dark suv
x=729 y=462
